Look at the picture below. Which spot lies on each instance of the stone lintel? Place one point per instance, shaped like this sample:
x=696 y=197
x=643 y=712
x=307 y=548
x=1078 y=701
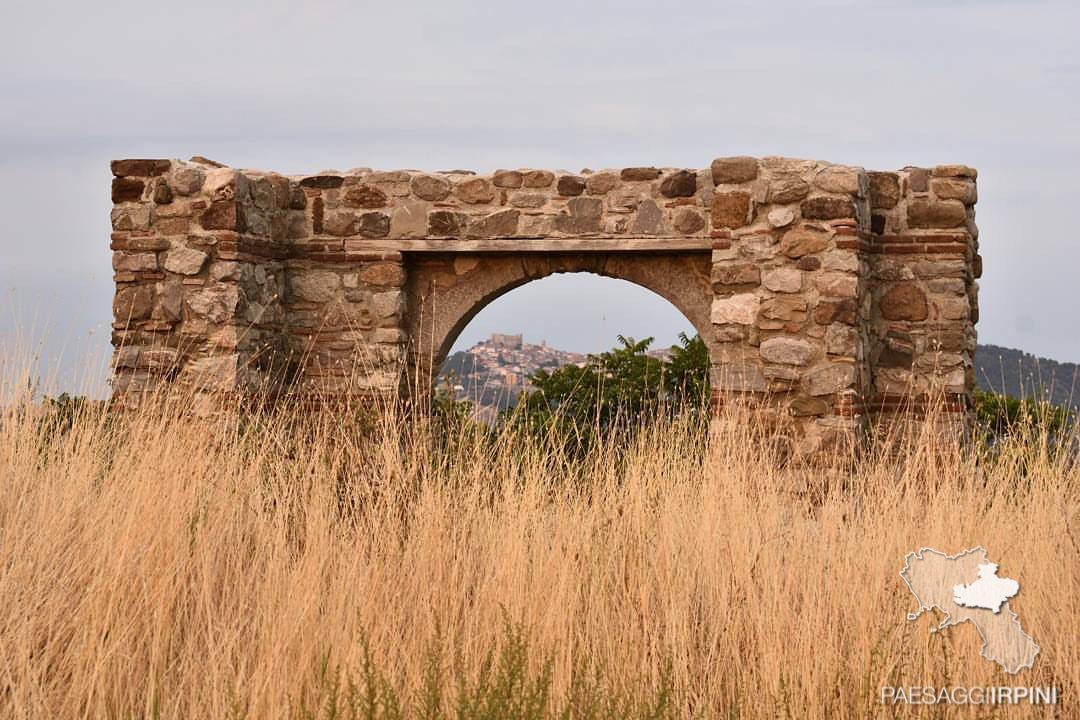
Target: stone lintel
x=620 y=243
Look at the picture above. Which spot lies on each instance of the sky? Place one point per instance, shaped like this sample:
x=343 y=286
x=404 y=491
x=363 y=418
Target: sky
x=304 y=86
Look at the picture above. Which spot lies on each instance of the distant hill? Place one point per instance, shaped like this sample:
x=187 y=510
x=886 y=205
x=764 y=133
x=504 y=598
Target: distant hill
x=492 y=373
x=1017 y=373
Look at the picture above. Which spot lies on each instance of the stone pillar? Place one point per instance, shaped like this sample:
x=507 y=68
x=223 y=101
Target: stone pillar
x=924 y=302
x=344 y=303
x=788 y=308
x=199 y=279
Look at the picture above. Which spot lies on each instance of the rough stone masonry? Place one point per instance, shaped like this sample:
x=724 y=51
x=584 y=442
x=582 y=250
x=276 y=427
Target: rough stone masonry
x=829 y=296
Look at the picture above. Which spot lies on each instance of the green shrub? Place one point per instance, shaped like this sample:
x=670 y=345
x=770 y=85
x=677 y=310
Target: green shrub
x=505 y=686
x=615 y=391
x=1000 y=416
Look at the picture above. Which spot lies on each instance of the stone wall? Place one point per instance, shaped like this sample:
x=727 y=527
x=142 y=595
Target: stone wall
x=198 y=259
x=825 y=293
x=924 y=299
x=789 y=288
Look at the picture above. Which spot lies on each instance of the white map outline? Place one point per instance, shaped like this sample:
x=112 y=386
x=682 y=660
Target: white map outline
x=973 y=595
x=946 y=622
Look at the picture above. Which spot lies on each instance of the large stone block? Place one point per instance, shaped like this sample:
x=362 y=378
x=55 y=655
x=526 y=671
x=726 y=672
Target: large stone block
x=784 y=279
x=216 y=303
x=224 y=215
x=953 y=308
x=787 y=189
x=139 y=167
x=364 y=196
x=838 y=285
x=507 y=179
x=648 y=220
x=537 y=179
x=528 y=199
x=317 y=286
x=841 y=261
x=830 y=311
x=133 y=303
x=570 y=185
x=221 y=184
x=679 y=184
x=387 y=304
x=787 y=351
x=131 y=217
x=785 y=309
x=838 y=179
x=127 y=189
x=187 y=180
x=374 y=224
x=637 y=174
x=601 y=183
x=841 y=339
x=689 y=221
x=940 y=214
x=884 y=190
x=962 y=171
x=798 y=242
x=185 y=261
x=731 y=170
x=500 y=223
x=739 y=309
x=322 y=182
x=830 y=379
x=730 y=209
x=446 y=222
x=827 y=208
x=740 y=377
x=383 y=274
x=134 y=262
x=475 y=191
x=341 y=224
x=583 y=217
x=781 y=217
x=904 y=301
x=736 y=274
x=430 y=187
x=409 y=219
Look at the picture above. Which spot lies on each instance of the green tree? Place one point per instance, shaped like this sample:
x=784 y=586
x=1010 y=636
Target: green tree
x=687 y=372
x=999 y=416
x=615 y=390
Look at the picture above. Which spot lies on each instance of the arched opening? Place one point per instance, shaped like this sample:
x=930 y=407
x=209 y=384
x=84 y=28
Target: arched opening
x=579 y=312
x=447 y=292
x=547 y=324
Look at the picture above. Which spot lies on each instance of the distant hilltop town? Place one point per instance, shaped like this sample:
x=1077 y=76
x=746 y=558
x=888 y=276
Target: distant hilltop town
x=494 y=372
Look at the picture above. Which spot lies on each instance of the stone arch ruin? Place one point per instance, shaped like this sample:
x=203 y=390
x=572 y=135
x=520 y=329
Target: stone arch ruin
x=828 y=295
x=445 y=291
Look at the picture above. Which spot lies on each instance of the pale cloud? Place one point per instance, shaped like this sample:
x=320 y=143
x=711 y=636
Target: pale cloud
x=301 y=86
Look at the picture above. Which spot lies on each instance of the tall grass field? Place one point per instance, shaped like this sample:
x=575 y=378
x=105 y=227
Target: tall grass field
x=291 y=565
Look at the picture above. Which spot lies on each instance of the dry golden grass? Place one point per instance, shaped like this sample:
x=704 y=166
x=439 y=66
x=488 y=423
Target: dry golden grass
x=152 y=566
